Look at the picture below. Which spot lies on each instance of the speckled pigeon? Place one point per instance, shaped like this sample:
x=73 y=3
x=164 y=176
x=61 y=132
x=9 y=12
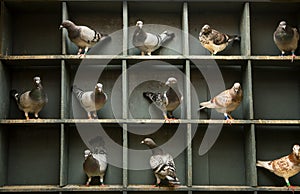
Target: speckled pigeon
x=91 y=101
x=83 y=36
x=213 y=40
x=169 y=100
x=31 y=101
x=226 y=102
x=148 y=42
x=285 y=167
x=286 y=38
x=162 y=164
x=95 y=164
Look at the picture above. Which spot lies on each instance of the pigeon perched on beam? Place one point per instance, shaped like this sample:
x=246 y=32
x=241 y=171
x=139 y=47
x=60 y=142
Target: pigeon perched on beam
x=83 y=36
x=226 y=102
x=148 y=42
x=95 y=164
x=286 y=38
x=286 y=166
x=167 y=101
x=31 y=101
x=91 y=101
x=162 y=164
x=215 y=41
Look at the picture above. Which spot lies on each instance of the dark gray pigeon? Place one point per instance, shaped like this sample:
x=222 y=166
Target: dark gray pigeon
x=31 y=101
x=91 y=101
x=226 y=102
x=95 y=164
x=213 y=40
x=286 y=38
x=148 y=42
x=169 y=100
x=162 y=165
x=83 y=36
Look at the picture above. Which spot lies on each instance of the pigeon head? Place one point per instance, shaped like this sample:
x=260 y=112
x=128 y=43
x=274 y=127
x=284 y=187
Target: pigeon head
x=171 y=81
x=149 y=142
x=99 y=87
x=139 y=24
x=37 y=80
x=282 y=24
x=205 y=29
x=66 y=24
x=236 y=87
x=296 y=150
x=87 y=153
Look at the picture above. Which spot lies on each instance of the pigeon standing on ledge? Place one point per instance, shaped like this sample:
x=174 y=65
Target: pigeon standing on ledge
x=95 y=164
x=31 y=101
x=286 y=38
x=148 y=42
x=215 y=41
x=91 y=101
x=169 y=100
x=226 y=102
x=286 y=166
x=83 y=36
x=162 y=164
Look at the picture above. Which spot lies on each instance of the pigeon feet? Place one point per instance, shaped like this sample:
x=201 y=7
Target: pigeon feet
x=292 y=188
x=293 y=57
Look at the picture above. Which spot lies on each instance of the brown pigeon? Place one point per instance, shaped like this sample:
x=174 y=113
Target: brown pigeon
x=31 y=101
x=286 y=38
x=285 y=167
x=169 y=100
x=226 y=102
x=213 y=40
x=162 y=164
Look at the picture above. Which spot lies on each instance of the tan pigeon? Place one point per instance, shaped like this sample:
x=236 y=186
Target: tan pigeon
x=285 y=167
x=226 y=102
x=213 y=40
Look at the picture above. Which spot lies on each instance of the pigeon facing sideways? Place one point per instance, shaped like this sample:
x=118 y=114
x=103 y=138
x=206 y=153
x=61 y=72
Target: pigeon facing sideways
x=226 y=102
x=31 y=101
x=286 y=166
x=162 y=164
x=169 y=100
x=286 y=38
x=213 y=40
x=95 y=164
x=91 y=101
x=148 y=42
x=83 y=36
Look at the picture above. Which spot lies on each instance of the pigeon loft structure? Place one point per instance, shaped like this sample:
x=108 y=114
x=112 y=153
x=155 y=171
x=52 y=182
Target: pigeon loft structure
x=46 y=155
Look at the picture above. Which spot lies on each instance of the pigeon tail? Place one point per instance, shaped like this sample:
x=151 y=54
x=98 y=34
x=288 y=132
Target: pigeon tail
x=234 y=37
x=265 y=164
x=78 y=92
x=166 y=36
x=207 y=104
x=15 y=95
x=149 y=95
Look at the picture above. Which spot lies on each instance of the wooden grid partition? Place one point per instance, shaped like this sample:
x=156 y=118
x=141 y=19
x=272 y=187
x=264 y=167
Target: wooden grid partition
x=46 y=155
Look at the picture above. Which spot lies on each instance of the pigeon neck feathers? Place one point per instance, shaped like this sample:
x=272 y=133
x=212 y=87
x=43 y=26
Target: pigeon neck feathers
x=140 y=36
x=37 y=93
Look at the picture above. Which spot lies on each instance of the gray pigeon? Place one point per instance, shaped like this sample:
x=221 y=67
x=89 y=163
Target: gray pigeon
x=169 y=100
x=91 y=101
x=213 y=40
x=286 y=38
x=31 y=101
x=226 y=102
x=83 y=36
x=95 y=164
x=162 y=165
x=148 y=42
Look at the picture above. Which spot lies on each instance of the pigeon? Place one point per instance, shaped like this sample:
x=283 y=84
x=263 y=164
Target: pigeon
x=148 y=42
x=169 y=100
x=225 y=102
x=286 y=38
x=162 y=164
x=215 y=41
x=95 y=164
x=31 y=101
x=285 y=167
x=83 y=36
x=91 y=101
